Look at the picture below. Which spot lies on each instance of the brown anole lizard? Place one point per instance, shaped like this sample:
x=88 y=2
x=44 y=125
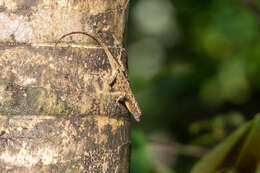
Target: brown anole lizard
x=118 y=79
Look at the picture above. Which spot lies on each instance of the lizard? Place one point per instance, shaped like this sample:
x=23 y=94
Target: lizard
x=118 y=77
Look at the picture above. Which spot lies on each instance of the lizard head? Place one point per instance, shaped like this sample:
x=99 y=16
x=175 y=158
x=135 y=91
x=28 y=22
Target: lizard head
x=134 y=110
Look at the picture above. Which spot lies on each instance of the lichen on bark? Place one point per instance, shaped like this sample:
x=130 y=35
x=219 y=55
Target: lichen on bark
x=56 y=111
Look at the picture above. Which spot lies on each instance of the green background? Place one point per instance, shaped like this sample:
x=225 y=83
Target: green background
x=194 y=67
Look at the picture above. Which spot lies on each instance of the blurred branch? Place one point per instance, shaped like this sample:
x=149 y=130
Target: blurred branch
x=173 y=147
x=251 y=6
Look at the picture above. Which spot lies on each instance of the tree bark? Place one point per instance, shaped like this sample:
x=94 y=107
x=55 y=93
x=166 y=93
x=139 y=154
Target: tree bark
x=56 y=114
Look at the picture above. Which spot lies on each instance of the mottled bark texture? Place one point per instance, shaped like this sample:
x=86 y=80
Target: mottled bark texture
x=56 y=112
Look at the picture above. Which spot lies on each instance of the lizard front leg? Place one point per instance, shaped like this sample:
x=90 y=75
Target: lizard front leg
x=118 y=94
x=121 y=96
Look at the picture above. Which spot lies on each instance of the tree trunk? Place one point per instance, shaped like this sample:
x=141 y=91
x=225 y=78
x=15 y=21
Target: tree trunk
x=56 y=114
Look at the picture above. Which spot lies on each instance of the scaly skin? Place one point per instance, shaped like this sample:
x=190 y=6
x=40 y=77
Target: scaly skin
x=119 y=80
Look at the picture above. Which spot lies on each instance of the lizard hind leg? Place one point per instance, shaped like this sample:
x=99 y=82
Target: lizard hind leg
x=111 y=78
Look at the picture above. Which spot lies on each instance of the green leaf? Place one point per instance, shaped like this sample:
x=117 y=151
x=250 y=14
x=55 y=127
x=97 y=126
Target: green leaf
x=239 y=153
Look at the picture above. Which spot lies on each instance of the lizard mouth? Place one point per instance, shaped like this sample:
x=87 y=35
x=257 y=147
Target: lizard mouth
x=137 y=118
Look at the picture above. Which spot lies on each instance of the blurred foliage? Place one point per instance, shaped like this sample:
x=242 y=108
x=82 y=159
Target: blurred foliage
x=239 y=153
x=139 y=157
x=194 y=67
